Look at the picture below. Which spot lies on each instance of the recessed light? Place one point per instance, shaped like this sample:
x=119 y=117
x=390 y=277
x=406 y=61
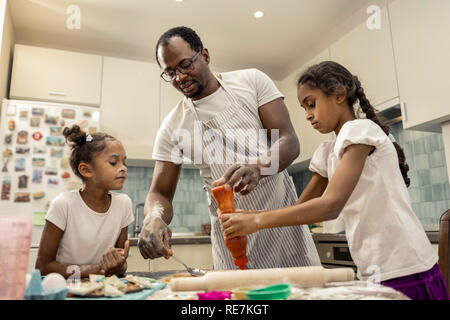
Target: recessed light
x=179 y=0
x=258 y=14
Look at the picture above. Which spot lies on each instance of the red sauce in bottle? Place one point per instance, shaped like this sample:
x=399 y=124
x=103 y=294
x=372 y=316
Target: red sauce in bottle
x=237 y=246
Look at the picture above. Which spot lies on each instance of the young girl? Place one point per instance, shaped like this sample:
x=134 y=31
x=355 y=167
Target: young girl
x=362 y=176
x=86 y=230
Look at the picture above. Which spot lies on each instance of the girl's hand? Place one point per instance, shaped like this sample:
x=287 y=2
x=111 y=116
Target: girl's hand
x=113 y=260
x=239 y=224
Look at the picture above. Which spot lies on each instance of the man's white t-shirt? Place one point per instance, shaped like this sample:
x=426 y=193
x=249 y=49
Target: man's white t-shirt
x=252 y=86
x=386 y=239
x=87 y=234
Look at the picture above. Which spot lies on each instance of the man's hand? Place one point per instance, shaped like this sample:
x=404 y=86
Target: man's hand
x=244 y=178
x=154 y=239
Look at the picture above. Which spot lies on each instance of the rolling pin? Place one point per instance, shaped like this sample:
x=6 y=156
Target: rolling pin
x=302 y=277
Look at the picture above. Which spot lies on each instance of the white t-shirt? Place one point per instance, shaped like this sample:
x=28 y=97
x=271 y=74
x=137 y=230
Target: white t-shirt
x=252 y=86
x=384 y=235
x=87 y=234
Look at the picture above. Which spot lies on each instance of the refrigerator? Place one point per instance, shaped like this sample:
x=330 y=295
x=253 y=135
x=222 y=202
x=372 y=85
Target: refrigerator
x=34 y=166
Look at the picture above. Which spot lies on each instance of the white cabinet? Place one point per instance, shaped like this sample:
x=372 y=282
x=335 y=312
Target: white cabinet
x=194 y=255
x=169 y=99
x=421 y=39
x=368 y=54
x=130 y=104
x=309 y=138
x=56 y=75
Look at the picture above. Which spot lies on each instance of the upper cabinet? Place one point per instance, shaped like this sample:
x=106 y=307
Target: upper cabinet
x=56 y=76
x=368 y=54
x=130 y=104
x=421 y=38
x=308 y=137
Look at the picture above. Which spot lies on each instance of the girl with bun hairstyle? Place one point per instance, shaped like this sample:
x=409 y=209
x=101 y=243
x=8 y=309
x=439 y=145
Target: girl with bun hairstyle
x=360 y=175
x=87 y=228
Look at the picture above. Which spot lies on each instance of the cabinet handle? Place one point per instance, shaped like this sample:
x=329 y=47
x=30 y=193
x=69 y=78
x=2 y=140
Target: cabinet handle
x=403 y=111
x=55 y=93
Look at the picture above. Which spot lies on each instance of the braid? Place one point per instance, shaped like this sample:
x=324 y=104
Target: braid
x=369 y=110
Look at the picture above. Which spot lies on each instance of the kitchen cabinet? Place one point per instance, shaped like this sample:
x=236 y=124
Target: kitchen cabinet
x=420 y=36
x=130 y=104
x=309 y=138
x=367 y=53
x=56 y=75
x=169 y=99
x=135 y=261
x=194 y=255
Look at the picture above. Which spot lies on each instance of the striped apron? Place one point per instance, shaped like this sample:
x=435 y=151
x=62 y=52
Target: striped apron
x=269 y=248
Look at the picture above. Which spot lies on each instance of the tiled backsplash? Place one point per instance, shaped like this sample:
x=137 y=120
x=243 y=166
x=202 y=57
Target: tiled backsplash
x=429 y=189
x=189 y=204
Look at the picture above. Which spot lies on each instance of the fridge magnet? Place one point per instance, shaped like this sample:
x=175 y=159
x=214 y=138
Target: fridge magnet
x=11 y=125
x=56 y=153
x=37 y=176
x=65 y=175
x=20 y=150
x=55 y=141
x=35 y=122
x=22 y=137
x=68 y=113
x=38 y=162
x=49 y=119
x=22 y=197
x=20 y=164
x=92 y=130
x=53 y=182
x=23 y=181
x=8 y=138
x=6 y=188
x=5 y=164
x=55 y=131
x=51 y=171
x=38 y=195
x=39 y=218
x=39 y=149
x=7 y=153
x=39 y=112
x=11 y=110
x=54 y=163
x=62 y=122
x=23 y=115
x=37 y=135
x=87 y=114
x=64 y=163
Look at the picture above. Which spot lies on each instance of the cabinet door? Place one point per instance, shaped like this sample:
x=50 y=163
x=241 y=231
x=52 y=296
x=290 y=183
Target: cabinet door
x=130 y=104
x=56 y=76
x=421 y=38
x=169 y=99
x=308 y=137
x=368 y=54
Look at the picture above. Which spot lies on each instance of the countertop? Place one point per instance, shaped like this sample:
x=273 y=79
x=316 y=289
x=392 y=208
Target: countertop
x=182 y=238
x=433 y=236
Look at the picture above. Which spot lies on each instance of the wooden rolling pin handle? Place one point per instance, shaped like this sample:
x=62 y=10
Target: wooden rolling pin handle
x=339 y=275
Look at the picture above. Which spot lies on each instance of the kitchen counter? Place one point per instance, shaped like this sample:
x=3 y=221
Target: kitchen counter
x=433 y=236
x=182 y=239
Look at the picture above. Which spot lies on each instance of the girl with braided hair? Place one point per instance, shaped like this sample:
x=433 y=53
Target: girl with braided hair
x=360 y=175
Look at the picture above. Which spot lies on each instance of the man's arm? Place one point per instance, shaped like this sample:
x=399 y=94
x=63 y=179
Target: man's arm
x=158 y=211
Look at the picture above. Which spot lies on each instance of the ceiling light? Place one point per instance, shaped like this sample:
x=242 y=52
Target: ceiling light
x=258 y=14
x=179 y=0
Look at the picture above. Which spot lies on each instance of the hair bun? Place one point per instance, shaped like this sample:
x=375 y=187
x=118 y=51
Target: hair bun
x=74 y=135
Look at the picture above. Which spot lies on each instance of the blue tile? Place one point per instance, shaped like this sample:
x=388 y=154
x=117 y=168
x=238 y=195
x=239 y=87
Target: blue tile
x=438 y=191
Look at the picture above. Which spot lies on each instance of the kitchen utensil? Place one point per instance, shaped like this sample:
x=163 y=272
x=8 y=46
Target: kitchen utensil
x=193 y=271
x=228 y=280
x=275 y=292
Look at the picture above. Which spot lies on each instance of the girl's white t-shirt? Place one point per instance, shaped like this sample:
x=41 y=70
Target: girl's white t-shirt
x=87 y=234
x=386 y=239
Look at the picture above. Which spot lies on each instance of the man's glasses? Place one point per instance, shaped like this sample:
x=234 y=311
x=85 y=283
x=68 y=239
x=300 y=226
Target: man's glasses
x=183 y=67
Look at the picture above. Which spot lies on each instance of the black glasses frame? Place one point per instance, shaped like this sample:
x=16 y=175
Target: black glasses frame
x=170 y=77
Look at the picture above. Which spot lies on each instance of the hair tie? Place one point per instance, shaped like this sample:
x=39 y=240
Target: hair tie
x=89 y=138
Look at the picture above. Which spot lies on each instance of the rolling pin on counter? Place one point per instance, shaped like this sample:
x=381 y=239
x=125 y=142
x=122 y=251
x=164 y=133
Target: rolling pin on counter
x=302 y=277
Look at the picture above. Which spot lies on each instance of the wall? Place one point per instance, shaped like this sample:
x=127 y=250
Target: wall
x=429 y=189
x=190 y=201
x=8 y=39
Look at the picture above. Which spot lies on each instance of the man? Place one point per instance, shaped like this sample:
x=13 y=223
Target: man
x=216 y=110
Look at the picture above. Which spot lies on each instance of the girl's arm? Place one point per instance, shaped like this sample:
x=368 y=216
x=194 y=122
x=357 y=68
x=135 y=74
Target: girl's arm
x=320 y=209
x=315 y=188
x=48 y=247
